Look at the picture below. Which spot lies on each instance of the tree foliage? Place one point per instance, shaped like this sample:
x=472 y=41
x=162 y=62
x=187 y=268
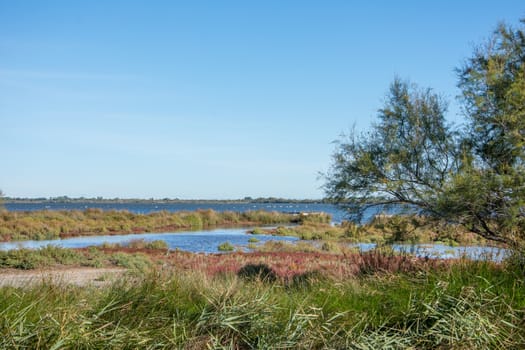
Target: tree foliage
x=492 y=82
x=473 y=176
x=405 y=158
x=490 y=191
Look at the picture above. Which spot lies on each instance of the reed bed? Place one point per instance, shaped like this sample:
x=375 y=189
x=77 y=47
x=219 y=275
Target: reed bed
x=41 y=225
x=381 y=230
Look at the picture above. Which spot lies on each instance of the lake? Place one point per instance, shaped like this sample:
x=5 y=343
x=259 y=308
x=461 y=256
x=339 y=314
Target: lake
x=207 y=241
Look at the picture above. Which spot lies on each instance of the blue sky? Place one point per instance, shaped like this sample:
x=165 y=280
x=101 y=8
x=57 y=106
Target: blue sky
x=211 y=99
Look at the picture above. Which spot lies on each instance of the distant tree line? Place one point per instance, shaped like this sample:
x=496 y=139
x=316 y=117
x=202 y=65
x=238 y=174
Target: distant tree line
x=66 y=199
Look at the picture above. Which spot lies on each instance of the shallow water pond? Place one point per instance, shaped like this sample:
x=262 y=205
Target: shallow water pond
x=192 y=241
x=207 y=241
x=443 y=251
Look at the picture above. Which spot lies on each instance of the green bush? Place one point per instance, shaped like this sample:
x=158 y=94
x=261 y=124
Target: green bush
x=135 y=262
x=257 y=231
x=157 y=244
x=43 y=257
x=261 y=272
x=226 y=247
x=143 y=244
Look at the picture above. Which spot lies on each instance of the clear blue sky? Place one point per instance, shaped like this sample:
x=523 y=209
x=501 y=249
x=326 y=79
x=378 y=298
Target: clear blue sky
x=210 y=99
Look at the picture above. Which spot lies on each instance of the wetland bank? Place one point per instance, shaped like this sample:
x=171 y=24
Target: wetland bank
x=280 y=295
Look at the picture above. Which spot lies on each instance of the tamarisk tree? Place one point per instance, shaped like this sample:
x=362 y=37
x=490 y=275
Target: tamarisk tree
x=488 y=195
x=473 y=176
x=406 y=158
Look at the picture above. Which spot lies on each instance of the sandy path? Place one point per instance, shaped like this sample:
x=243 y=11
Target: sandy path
x=81 y=276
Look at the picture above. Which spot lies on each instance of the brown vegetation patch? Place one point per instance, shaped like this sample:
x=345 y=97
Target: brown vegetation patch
x=286 y=265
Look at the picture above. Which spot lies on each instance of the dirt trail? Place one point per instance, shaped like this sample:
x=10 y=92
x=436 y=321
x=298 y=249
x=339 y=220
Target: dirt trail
x=81 y=276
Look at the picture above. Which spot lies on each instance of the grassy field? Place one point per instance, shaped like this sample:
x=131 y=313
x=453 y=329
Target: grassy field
x=419 y=305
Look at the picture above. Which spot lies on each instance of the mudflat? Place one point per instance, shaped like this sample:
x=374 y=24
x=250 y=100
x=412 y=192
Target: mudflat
x=81 y=276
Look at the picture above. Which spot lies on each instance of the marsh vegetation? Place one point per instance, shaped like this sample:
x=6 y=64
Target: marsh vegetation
x=382 y=302
x=467 y=187
x=46 y=224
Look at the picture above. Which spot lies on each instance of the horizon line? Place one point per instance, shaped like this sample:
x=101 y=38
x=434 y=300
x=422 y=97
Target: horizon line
x=100 y=198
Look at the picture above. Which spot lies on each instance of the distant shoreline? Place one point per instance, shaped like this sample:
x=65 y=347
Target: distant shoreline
x=98 y=200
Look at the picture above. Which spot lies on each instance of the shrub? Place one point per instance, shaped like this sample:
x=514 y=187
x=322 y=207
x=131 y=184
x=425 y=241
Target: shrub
x=257 y=231
x=260 y=272
x=143 y=244
x=43 y=257
x=157 y=244
x=330 y=247
x=135 y=262
x=226 y=247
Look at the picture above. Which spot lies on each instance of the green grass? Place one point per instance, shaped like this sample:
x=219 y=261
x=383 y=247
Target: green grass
x=226 y=247
x=466 y=306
